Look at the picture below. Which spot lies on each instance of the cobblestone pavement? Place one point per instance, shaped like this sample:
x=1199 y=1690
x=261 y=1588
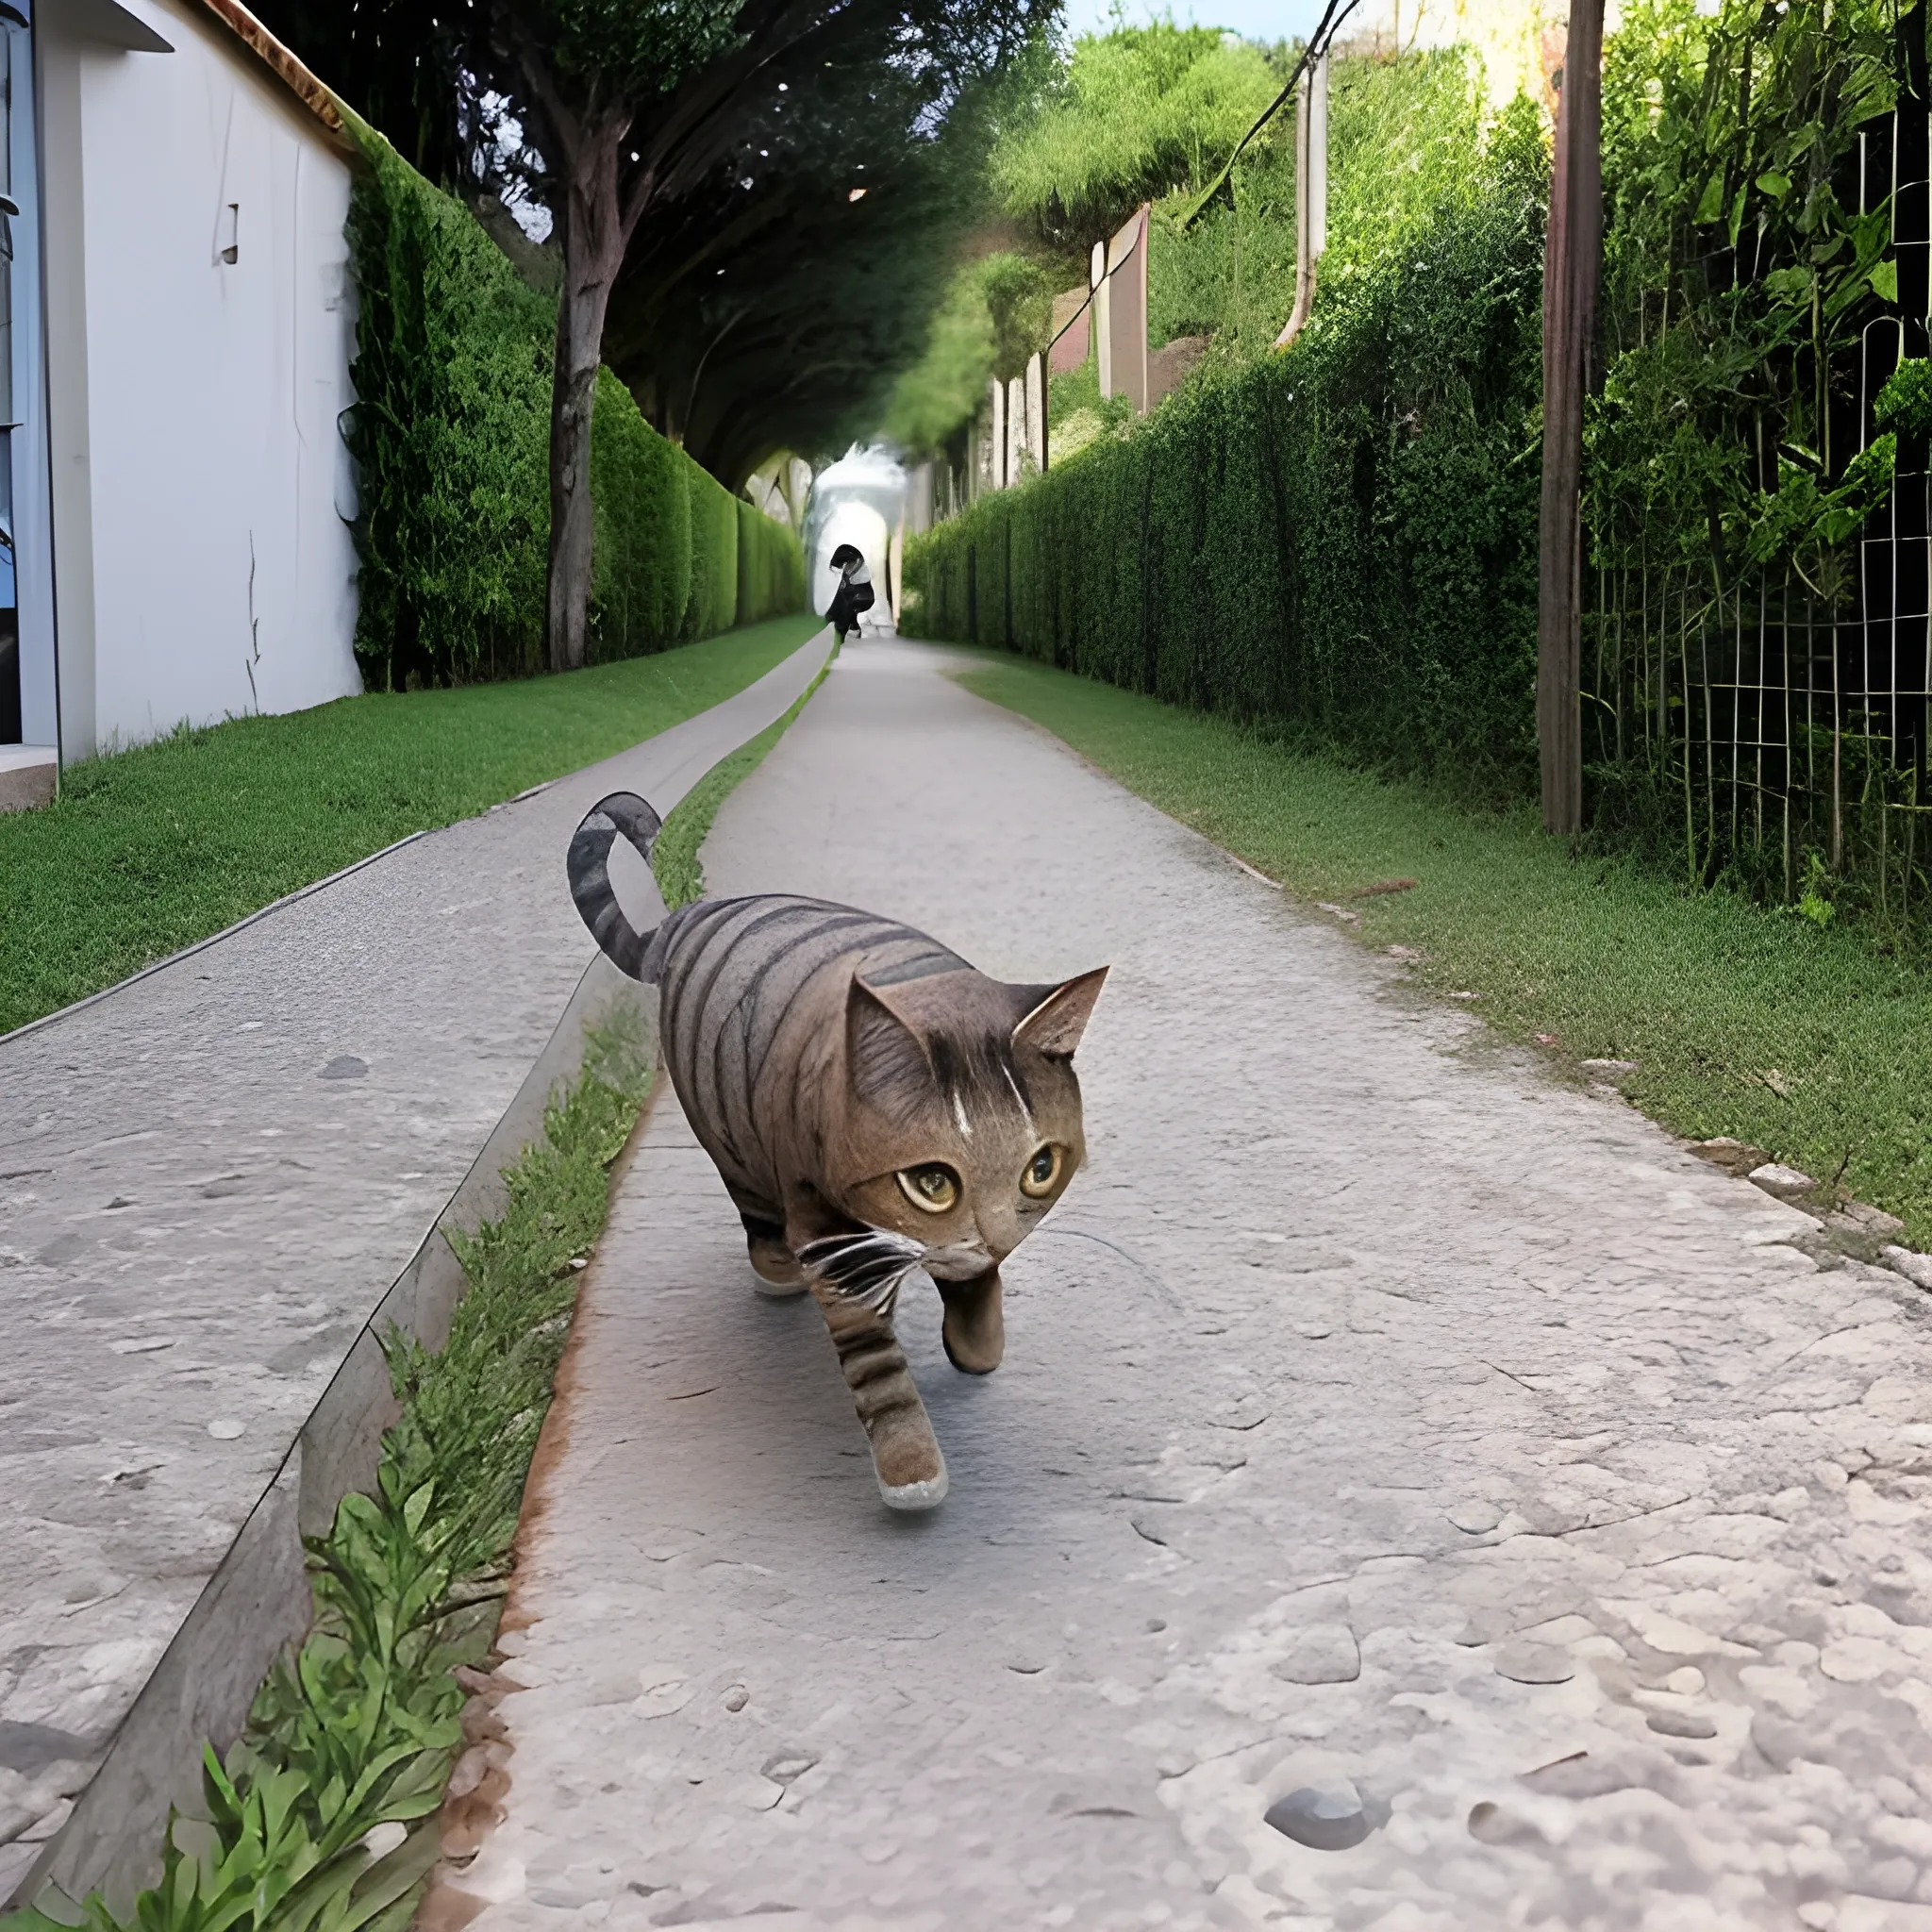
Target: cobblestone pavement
x=208 y=1180
x=1389 y=1437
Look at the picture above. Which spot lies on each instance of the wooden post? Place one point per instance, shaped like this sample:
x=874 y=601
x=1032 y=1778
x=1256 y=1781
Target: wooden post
x=1572 y=264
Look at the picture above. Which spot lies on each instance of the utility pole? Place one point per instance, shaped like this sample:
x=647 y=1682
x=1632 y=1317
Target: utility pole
x=1572 y=268
x=1311 y=193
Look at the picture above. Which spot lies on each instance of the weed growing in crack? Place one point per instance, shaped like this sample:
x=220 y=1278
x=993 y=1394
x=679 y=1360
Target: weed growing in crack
x=322 y=1817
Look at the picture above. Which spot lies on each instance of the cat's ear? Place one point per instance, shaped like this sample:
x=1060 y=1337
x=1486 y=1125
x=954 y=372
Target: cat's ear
x=1054 y=1025
x=883 y=1048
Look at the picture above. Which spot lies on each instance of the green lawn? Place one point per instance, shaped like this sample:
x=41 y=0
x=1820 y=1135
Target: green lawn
x=150 y=850
x=1742 y=1022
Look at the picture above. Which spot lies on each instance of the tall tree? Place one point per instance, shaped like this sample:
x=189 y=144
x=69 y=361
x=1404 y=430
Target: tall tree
x=775 y=309
x=634 y=106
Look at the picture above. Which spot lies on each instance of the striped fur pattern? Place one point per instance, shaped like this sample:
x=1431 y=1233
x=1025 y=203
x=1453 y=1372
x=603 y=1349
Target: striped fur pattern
x=875 y=1107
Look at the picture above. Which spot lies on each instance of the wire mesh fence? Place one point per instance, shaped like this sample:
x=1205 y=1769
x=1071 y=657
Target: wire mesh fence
x=1766 y=720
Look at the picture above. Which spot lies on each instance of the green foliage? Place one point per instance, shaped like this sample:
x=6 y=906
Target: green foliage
x=1138 y=112
x=713 y=604
x=630 y=49
x=997 y=312
x=641 y=554
x=1706 y=992
x=1405 y=140
x=1739 y=273
x=450 y=434
x=771 y=566
x=357 y=1729
x=1905 y=403
x=1338 y=541
x=1726 y=485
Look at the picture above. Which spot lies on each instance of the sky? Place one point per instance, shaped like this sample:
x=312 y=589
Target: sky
x=1256 y=20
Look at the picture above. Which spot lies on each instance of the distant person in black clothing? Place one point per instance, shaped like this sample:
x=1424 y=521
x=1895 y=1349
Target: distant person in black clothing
x=854 y=594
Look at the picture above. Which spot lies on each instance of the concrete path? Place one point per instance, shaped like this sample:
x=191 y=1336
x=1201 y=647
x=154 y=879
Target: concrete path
x=1379 y=1420
x=208 y=1178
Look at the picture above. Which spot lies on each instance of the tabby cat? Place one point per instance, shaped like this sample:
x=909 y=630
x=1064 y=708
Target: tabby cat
x=874 y=1105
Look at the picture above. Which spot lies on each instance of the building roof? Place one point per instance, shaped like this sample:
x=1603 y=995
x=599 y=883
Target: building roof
x=293 y=74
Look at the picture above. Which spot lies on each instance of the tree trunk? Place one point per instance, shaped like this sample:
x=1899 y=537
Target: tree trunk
x=593 y=241
x=1572 y=264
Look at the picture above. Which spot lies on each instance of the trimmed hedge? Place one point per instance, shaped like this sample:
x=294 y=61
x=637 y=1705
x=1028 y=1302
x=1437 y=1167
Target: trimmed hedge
x=641 y=562
x=713 y=558
x=771 y=567
x=451 y=438
x=1338 y=543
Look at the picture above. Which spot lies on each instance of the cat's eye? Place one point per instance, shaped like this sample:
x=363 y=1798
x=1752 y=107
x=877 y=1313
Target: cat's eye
x=1043 y=1171
x=934 y=1188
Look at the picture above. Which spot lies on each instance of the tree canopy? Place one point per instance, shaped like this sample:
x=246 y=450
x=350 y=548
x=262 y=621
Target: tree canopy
x=1135 y=113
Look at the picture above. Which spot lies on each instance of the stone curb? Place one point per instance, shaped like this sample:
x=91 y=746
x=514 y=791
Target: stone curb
x=257 y=1601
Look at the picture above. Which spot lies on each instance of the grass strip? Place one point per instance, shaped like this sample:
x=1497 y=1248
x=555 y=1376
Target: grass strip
x=674 y=856
x=1742 y=1020
x=322 y=1817
x=151 y=849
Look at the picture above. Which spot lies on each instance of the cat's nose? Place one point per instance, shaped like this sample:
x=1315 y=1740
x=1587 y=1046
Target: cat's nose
x=1000 y=1230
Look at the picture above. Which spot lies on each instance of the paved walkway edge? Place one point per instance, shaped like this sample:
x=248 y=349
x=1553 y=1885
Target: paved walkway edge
x=258 y=1600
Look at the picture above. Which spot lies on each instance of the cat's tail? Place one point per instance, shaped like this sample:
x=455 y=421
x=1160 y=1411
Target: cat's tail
x=589 y=874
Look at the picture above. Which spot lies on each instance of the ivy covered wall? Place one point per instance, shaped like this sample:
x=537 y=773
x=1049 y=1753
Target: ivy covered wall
x=451 y=435
x=1338 y=541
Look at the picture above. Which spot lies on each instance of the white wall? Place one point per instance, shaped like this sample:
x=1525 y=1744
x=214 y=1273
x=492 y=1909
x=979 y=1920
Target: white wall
x=858 y=500
x=203 y=567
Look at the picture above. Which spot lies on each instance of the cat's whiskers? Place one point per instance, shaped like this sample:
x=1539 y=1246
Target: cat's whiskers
x=868 y=1268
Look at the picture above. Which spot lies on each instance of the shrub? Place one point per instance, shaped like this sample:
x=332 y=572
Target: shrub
x=713 y=604
x=1338 y=541
x=451 y=437
x=642 y=558
x=771 y=567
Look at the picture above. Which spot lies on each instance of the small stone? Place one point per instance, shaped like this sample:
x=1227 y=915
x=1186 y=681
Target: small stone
x=225 y=1428
x=1687 y=1680
x=1465 y=995
x=1544 y=1039
x=1525 y=1662
x=736 y=1697
x=1326 y=1818
x=345 y=1066
x=1491 y=1825
x=1156 y=1624
x=1680 y=1724
x=1611 y=1066
x=787 y=1767
x=1874 y=1221
x=379 y=1840
x=1476 y=1519
x=473 y=1767
x=1341 y=912
x=1820 y=1915
x=1775 y=1178
x=1916 y=1268
x=1321 y=1654
x=1403 y=953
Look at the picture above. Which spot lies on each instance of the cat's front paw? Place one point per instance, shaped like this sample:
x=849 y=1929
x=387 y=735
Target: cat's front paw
x=926 y=1494
x=975 y=1331
x=910 y=1470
